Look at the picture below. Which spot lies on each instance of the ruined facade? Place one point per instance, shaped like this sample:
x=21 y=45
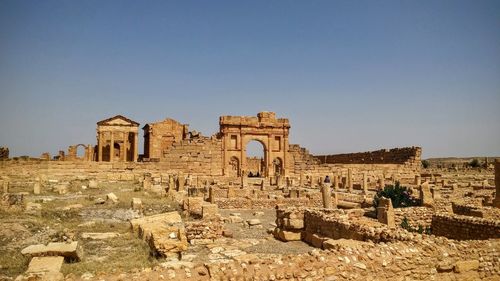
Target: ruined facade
x=117 y=139
x=160 y=136
x=272 y=133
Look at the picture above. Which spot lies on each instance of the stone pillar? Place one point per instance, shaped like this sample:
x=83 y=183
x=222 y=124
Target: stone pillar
x=425 y=195
x=112 y=147
x=385 y=212
x=418 y=180
x=327 y=200
x=301 y=180
x=36 y=186
x=99 y=156
x=5 y=185
x=136 y=150
x=147 y=182
x=243 y=181
x=171 y=183
x=211 y=195
x=496 y=201
x=349 y=180
x=335 y=182
x=365 y=183
x=125 y=146
x=262 y=185
x=181 y=180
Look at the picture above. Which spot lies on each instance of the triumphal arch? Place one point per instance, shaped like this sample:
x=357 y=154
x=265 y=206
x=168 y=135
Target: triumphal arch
x=272 y=133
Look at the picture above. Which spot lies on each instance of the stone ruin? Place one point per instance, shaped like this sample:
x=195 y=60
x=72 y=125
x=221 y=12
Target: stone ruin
x=190 y=200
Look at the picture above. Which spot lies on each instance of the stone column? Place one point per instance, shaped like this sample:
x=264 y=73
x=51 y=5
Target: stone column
x=349 y=180
x=136 y=150
x=327 y=200
x=36 y=186
x=171 y=183
x=181 y=181
x=99 y=156
x=5 y=185
x=243 y=181
x=262 y=185
x=335 y=182
x=365 y=183
x=211 y=195
x=496 y=201
x=112 y=147
x=125 y=146
x=301 y=180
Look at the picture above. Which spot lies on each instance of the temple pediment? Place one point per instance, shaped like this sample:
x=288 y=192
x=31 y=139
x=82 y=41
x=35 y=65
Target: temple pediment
x=117 y=120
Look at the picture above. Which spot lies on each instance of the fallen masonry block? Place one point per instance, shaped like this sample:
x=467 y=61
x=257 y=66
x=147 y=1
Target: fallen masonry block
x=111 y=197
x=70 y=251
x=165 y=233
x=45 y=264
x=100 y=236
x=136 y=204
x=43 y=269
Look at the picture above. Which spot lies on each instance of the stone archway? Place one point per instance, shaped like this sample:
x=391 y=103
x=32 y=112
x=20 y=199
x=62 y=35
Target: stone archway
x=272 y=133
x=234 y=164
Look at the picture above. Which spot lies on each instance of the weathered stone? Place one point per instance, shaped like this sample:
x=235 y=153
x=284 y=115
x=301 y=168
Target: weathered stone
x=157 y=230
x=136 y=204
x=69 y=251
x=111 y=197
x=99 y=236
x=464 y=266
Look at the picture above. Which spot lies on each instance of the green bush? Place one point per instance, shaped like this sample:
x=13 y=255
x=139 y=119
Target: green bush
x=420 y=229
x=425 y=164
x=400 y=196
x=474 y=163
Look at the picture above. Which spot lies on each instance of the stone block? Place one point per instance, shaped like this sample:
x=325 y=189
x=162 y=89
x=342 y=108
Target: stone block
x=209 y=210
x=464 y=266
x=286 y=236
x=111 y=197
x=45 y=264
x=70 y=251
x=93 y=184
x=136 y=204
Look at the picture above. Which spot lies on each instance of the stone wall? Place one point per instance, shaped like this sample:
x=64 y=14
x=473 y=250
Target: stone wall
x=407 y=155
x=464 y=228
x=348 y=224
x=415 y=215
x=475 y=211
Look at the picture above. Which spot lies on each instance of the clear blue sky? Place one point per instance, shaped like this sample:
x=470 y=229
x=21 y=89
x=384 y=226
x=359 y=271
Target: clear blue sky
x=350 y=75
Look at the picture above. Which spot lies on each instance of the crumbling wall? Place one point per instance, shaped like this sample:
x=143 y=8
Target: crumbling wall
x=415 y=215
x=464 y=228
x=407 y=155
x=475 y=211
x=196 y=156
x=347 y=224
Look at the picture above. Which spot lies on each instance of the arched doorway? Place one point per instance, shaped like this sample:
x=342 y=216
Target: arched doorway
x=234 y=164
x=277 y=167
x=80 y=151
x=255 y=159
